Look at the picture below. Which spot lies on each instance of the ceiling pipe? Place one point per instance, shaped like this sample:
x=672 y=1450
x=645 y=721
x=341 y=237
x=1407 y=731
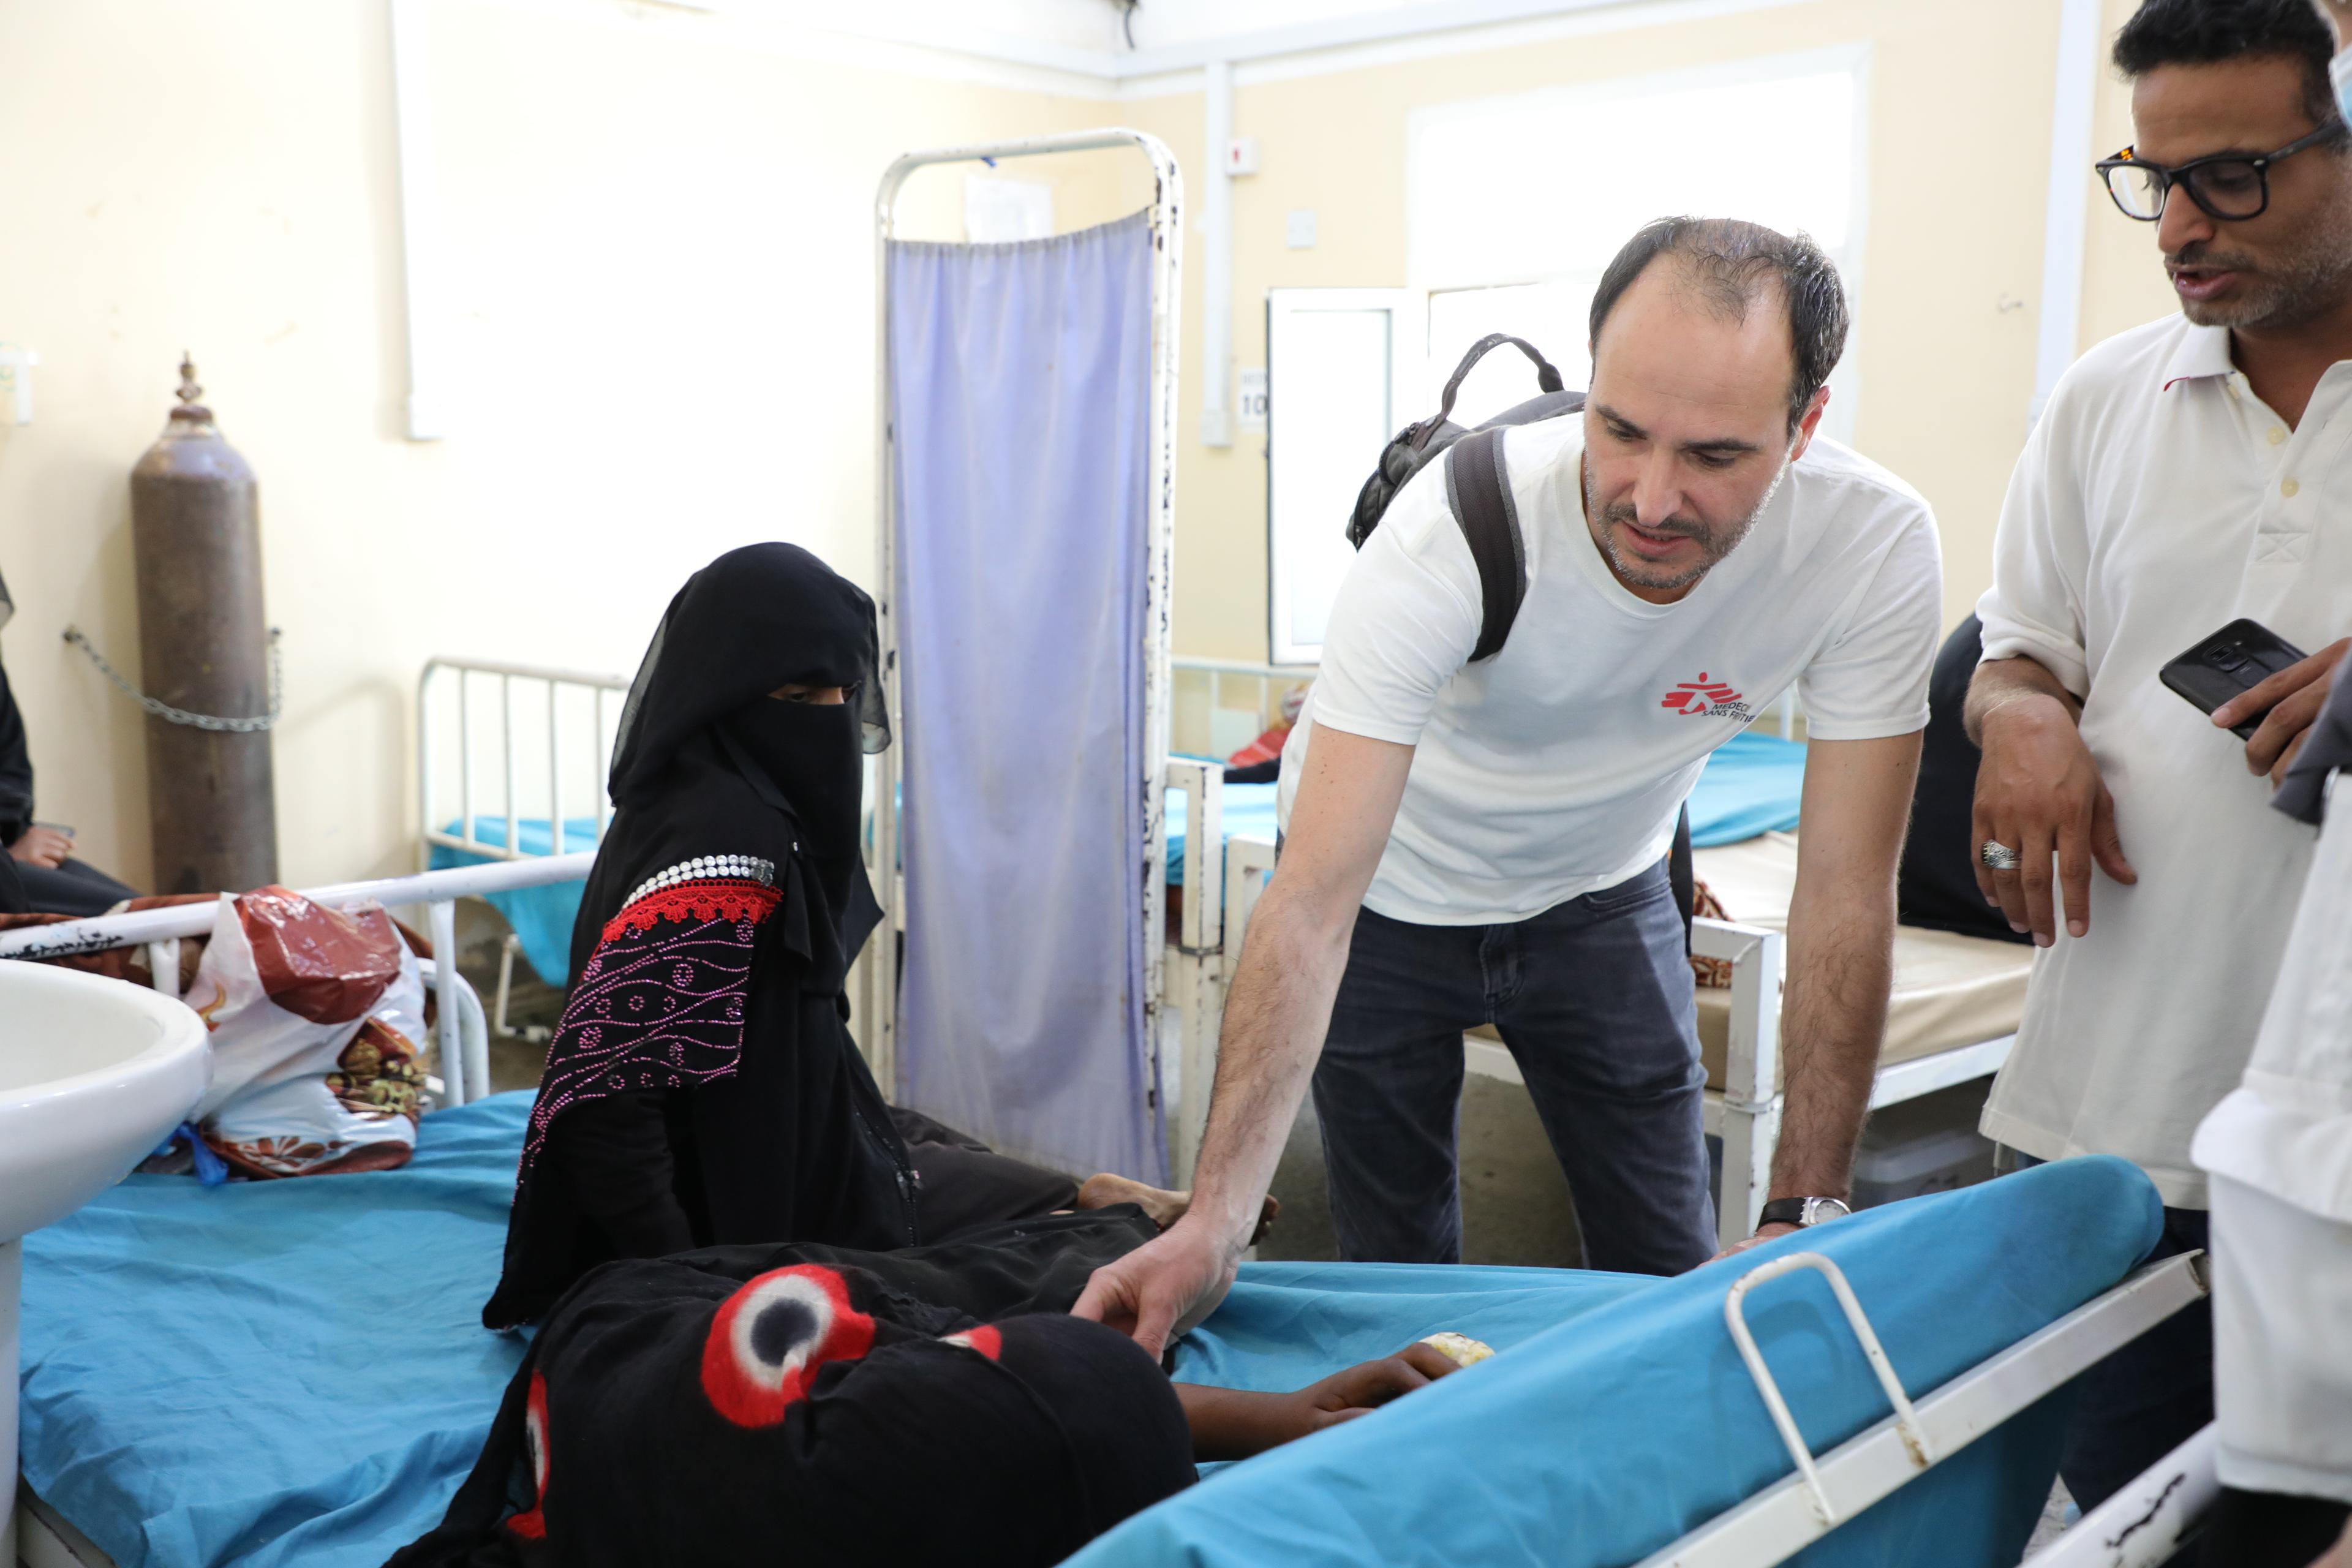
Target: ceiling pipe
x=1217 y=274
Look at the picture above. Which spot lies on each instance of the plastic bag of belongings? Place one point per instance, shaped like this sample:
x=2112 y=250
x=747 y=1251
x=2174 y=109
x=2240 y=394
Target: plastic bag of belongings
x=318 y=1031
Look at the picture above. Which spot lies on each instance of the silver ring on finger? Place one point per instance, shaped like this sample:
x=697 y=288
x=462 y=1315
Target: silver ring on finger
x=2000 y=856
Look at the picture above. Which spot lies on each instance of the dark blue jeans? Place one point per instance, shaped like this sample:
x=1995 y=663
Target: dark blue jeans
x=2149 y=1397
x=1593 y=999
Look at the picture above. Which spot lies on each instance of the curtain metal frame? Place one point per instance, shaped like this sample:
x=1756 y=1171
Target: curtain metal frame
x=879 y=1025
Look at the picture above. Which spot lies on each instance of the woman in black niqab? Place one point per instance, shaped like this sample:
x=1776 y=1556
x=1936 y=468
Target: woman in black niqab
x=702 y=1087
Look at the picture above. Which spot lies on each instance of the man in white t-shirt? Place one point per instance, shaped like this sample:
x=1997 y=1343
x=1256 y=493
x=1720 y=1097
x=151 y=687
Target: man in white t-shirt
x=2186 y=474
x=1472 y=842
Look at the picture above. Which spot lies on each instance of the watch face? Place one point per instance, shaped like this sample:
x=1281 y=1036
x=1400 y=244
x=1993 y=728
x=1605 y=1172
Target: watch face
x=1820 y=1209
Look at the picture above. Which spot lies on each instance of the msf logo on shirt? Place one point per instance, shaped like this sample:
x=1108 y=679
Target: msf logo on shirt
x=1707 y=698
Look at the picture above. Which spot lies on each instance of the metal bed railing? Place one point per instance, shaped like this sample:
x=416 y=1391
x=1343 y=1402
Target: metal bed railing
x=459 y=1032
x=553 y=683
x=579 y=751
x=1270 y=681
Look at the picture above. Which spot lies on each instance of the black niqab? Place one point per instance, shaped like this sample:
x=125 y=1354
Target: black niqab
x=702 y=1088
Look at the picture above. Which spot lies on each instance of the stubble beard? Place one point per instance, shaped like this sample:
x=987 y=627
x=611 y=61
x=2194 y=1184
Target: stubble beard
x=2300 y=287
x=1714 y=545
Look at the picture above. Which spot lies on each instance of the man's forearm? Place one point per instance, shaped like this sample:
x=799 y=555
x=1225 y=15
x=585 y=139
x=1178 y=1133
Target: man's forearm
x=2004 y=683
x=1840 y=972
x=1275 y=1015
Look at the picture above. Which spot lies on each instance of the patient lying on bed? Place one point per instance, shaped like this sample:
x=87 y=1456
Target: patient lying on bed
x=702 y=1088
x=822 y=1406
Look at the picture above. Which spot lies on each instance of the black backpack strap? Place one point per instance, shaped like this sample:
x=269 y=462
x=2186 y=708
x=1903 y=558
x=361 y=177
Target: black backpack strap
x=1478 y=488
x=1683 y=872
x=1547 y=378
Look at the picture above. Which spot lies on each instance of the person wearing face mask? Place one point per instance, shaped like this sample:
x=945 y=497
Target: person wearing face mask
x=1472 y=839
x=702 y=1088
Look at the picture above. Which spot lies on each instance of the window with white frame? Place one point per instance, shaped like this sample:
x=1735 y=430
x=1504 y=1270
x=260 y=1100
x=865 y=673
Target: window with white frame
x=1515 y=204
x=1338 y=362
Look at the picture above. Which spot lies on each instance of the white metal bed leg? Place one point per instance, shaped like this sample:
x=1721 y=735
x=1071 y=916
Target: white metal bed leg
x=1752 y=1090
x=163 y=965
x=1198 y=976
x=442 y=914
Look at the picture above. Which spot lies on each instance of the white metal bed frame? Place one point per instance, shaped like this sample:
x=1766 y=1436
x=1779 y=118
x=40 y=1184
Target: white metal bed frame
x=560 y=739
x=881 y=989
x=1221 y=891
x=461 y=1038
x=2138 y=1528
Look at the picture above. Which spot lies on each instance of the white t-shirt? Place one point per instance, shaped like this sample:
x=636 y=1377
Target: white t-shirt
x=1558 y=766
x=2157 y=499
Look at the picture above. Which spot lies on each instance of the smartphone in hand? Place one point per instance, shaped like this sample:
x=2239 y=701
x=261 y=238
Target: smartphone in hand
x=2237 y=659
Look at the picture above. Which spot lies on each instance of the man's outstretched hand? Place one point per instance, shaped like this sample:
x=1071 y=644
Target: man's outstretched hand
x=1164 y=1287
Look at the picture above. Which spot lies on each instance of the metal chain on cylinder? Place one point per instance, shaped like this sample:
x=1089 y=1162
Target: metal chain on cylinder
x=172 y=715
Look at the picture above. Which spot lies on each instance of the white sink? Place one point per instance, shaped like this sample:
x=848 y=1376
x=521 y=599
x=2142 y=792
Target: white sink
x=93 y=1073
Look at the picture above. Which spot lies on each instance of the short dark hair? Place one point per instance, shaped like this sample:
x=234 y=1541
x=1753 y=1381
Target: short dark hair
x=2209 y=32
x=1729 y=261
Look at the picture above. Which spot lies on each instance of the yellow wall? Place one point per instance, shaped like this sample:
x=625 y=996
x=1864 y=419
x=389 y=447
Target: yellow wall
x=658 y=244
x=661 y=256
x=2123 y=277
x=1958 y=137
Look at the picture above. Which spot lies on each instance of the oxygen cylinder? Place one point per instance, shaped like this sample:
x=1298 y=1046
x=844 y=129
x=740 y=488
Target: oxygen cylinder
x=203 y=649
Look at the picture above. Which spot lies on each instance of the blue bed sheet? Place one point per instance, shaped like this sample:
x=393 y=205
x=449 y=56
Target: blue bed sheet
x=1750 y=785
x=1600 y=1440
x=541 y=916
x=273 y=1375
x=269 y=1374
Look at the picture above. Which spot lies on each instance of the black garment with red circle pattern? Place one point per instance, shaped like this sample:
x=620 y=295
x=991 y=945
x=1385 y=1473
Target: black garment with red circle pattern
x=821 y=1406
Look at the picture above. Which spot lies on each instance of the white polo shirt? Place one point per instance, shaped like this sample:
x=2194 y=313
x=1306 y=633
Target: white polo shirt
x=2157 y=499
x=1557 y=767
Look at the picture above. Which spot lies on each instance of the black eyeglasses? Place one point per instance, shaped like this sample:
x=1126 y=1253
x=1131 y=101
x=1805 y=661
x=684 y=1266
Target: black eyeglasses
x=2229 y=186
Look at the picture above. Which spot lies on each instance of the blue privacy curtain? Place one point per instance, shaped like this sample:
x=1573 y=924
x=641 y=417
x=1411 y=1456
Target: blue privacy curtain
x=1020 y=398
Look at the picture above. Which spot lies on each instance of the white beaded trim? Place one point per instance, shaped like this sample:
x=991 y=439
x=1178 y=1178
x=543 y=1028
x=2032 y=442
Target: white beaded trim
x=739 y=868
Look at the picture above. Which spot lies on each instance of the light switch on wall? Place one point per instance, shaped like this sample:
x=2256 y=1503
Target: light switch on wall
x=1300 y=229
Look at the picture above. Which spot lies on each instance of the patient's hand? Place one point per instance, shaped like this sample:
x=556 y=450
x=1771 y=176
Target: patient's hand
x=39 y=846
x=1231 y=1424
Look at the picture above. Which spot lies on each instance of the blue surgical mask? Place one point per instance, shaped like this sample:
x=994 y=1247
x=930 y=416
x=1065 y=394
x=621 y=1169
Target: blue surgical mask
x=2339 y=71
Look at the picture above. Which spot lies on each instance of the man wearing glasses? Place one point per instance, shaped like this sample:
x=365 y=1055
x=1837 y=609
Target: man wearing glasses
x=2187 y=473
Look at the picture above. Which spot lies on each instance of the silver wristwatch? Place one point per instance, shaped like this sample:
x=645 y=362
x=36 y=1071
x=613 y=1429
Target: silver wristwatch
x=1803 y=1212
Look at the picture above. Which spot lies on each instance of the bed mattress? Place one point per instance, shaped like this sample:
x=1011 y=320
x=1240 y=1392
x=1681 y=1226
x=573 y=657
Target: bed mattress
x=292 y=1372
x=269 y=1375
x=1950 y=990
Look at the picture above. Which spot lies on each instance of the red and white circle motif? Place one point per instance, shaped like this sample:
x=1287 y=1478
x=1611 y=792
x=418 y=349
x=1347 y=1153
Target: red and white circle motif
x=769 y=1339
x=532 y=1525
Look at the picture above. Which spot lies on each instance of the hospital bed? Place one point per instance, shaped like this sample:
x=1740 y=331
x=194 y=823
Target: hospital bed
x=272 y=1374
x=520 y=747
